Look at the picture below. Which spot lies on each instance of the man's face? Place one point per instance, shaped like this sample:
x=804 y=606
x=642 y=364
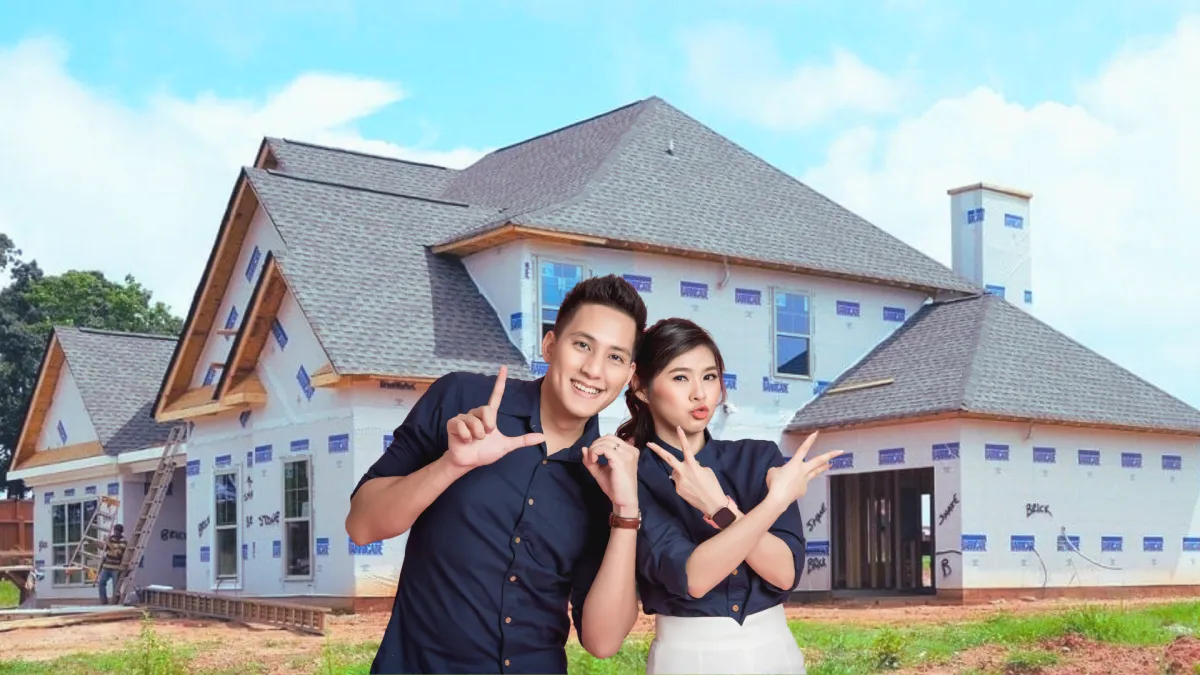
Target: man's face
x=591 y=361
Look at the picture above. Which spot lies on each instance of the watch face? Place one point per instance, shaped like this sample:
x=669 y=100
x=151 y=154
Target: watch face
x=724 y=518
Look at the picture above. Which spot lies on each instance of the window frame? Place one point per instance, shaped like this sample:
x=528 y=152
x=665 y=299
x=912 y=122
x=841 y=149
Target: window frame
x=70 y=546
x=776 y=333
x=584 y=273
x=218 y=578
x=285 y=546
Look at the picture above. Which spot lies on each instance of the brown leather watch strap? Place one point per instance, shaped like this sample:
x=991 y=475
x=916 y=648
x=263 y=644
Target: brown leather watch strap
x=625 y=523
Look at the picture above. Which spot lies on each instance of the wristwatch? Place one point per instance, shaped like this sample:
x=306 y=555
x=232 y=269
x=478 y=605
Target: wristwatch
x=724 y=516
x=625 y=523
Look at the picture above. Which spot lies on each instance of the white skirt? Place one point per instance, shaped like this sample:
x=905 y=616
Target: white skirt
x=704 y=645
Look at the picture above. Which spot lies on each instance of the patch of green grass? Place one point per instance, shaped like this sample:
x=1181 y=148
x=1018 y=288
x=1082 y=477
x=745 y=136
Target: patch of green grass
x=9 y=595
x=1028 y=661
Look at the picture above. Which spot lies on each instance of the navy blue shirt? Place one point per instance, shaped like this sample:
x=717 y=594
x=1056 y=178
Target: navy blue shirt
x=490 y=565
x=672 y=529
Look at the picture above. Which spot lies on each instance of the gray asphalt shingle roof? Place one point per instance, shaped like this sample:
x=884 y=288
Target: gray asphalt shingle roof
x=984 y=355
x=648 y=173
x=377 y=298
x=345 y=167
x=118 y=375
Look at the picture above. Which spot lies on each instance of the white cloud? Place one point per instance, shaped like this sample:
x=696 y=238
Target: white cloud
x=87 y=182
x=738 y=69
x=1114 y=213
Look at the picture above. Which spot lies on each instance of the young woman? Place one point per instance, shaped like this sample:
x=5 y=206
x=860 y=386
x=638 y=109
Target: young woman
x=722 y=542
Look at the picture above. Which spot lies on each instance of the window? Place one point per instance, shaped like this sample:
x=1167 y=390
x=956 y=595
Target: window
x=554 y=282
x=225 y=526
x=297 y=518
x=69 y=519
x=793 y=333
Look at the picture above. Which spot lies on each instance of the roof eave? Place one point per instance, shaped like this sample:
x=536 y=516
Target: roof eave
x=855 y=424
x=509 y=231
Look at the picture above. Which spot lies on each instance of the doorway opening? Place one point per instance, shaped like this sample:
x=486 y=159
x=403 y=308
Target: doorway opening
x=881 y=532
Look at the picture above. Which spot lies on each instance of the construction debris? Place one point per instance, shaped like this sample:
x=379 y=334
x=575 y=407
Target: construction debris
x=70 y=619
x=285 y=615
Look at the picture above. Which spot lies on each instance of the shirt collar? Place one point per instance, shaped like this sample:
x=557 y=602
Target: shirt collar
x=523 y=398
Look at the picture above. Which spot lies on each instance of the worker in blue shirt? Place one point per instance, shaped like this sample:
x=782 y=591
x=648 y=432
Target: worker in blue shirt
x=722 y=541
x=510 y=511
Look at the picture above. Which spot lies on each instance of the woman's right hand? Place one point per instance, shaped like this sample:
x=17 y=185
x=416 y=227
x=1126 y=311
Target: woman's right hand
x=696 y=484
x=788 y=483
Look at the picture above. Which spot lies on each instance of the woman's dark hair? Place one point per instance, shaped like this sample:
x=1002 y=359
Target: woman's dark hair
x=661 y=344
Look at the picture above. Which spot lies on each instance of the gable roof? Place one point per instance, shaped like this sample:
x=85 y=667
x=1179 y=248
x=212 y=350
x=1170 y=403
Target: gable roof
x=358 y=264
x=983 y=357
x=649 y=175
x=118 y=376
x=356 y=169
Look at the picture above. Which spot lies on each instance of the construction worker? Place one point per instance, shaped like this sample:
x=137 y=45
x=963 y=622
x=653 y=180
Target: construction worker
x=110 y=568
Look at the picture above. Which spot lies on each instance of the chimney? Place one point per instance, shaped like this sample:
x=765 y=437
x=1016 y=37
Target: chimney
x=989 y=239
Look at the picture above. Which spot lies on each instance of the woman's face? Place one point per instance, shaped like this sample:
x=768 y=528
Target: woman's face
x=685 y=394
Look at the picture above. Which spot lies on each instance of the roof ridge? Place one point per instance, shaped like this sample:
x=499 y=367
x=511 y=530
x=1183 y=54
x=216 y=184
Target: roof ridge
x=572 y=125
x=118 y=333
x=356 y=188
x=360 y=153
x=605 y=165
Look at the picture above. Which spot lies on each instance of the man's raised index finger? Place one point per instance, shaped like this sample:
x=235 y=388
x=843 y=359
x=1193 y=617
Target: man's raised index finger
x=498 y=389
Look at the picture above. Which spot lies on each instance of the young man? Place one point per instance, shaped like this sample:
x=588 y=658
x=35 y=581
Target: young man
x=110 y=567
x=509 y=508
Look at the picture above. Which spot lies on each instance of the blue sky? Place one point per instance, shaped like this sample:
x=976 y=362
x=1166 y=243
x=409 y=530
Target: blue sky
x=882 y=105
x=484 y=74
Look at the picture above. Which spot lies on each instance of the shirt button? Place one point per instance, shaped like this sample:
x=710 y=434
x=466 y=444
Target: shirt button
x=507 y=663
x=543 y=461
x=508 y=619
x=735 y=608
x=513 y=578
x=517 y=540
x=735 y=573
x=531 y=502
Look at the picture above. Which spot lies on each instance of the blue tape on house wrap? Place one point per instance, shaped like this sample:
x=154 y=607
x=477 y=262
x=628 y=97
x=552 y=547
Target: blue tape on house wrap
x=896 y=314
x=945 y=451
x=816 y=548
x=1068 y=542
x=252 y=266
x=280 y=334
x=995 y=452
x=1089 y=458
x=693 y=289
x=730 y=381
x=1191 y=544
x=1045 y=456
x=974 y=543
x=1131 y=460
x=231 y=320
x=339 y=443
x=747 y=296
x=1015 y=222
x=1152 y=544
x=1112 y=544
x=262 y=454
x=1021 y=542
x=891 y=456
x=299 y=445
x=642 y=284
x=515 y=321
x=1172 y=462
x=848 y=308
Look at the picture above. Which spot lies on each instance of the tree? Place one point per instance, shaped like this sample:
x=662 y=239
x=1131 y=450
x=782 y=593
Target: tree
x=33 y=304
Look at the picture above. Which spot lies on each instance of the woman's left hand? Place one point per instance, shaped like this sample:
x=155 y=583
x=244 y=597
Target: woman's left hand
x=696 y=484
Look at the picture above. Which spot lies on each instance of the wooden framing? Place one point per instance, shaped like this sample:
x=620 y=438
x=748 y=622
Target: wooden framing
x=66 y=453
x=175 y=400
x=239 y=384
x=53 y=361
x=509 y=232
x=988 y=417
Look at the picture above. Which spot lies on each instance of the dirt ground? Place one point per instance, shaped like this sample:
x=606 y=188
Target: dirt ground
x=226 y=645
